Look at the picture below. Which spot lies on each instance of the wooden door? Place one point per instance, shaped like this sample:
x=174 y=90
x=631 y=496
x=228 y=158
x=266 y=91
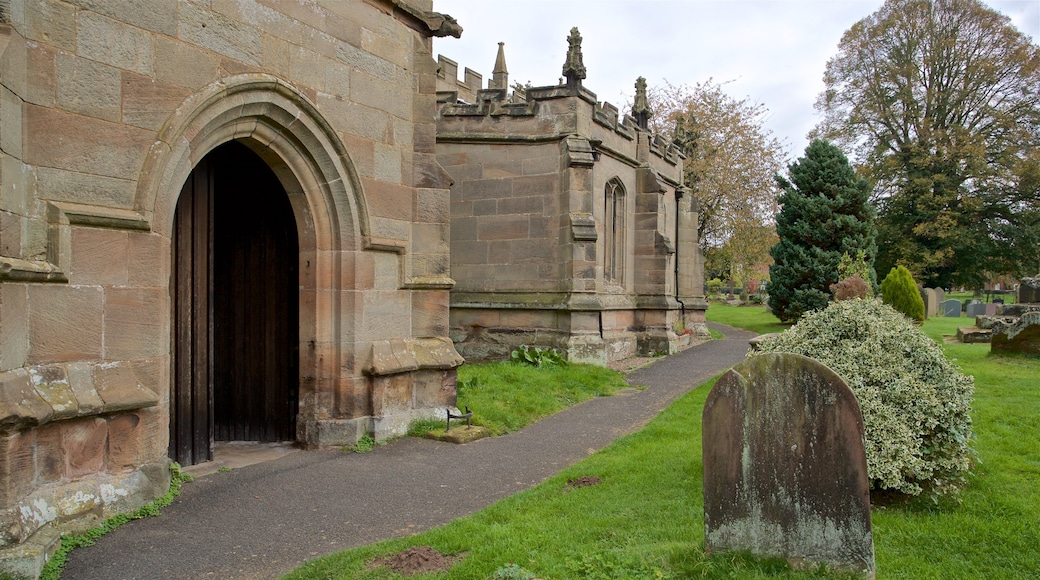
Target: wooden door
x=191 y=417
x=236 y=355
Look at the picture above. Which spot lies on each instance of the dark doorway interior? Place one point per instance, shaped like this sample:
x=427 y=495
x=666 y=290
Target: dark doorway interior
x=235 y=298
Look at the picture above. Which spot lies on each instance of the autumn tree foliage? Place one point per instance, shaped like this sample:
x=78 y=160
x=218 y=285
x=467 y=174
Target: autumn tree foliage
x=731 y=159
x=825 y=215
x=940 y=100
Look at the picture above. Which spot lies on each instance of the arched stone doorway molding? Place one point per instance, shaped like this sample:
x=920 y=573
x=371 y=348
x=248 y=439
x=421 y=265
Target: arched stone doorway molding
x=279 y=124
x=342 y=377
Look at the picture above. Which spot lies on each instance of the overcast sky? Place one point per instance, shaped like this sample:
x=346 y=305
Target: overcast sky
x=771 y=51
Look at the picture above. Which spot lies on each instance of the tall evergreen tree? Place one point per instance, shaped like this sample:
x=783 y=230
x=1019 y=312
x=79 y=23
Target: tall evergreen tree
x=825 y=212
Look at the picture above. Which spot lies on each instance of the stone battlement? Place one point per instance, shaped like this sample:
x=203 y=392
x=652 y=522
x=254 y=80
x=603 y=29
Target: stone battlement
x=467 y=97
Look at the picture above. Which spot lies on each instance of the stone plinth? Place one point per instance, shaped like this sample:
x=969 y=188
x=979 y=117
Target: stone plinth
x=974 y=335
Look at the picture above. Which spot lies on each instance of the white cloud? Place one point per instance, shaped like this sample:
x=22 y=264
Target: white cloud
x=774 y=51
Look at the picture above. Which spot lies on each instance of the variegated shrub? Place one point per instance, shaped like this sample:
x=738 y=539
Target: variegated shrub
x=916 y=404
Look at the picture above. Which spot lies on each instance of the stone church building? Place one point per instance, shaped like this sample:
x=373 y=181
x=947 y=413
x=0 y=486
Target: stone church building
x=218 y=221
x=241 y=221
x=570 y=224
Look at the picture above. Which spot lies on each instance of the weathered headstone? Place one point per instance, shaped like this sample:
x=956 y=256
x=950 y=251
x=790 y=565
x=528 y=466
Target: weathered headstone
x=991 y=310
x=931 y=301
x=976 y=308
x=1029 y=290
x=785 y=470
x=940 y=295
x=952 y=308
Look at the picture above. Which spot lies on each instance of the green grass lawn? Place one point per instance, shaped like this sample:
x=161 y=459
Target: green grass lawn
x=645 y=518
x=506 y=396
x=754 y=318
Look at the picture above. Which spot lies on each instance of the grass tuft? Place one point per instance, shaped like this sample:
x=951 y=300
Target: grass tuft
x=53 y=568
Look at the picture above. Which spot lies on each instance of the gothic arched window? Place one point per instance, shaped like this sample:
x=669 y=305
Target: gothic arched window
x=614 y=232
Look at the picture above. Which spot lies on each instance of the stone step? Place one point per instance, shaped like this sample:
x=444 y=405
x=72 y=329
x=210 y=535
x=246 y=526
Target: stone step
x=974 y=334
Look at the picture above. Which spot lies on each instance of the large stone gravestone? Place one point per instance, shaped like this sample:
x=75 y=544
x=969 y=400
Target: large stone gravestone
x=940 y=295
x=952 y=308
x=785 y=470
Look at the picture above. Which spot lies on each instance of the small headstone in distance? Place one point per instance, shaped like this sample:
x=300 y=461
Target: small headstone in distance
x=785 y=469
x=1029 y=290
x=976 y=309
x=931 y=301
x=952 y=308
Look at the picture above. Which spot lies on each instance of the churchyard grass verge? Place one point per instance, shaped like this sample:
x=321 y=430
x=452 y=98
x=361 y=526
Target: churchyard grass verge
x=754 y=318
x=507 y=396
x=645 y=518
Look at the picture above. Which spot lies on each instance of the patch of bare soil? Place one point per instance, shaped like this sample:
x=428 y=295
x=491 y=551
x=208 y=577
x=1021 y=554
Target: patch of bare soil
x=583 y=481
x=417 y=560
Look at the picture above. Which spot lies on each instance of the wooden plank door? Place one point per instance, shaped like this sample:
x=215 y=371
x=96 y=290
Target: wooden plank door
x=256 y=297
x=191 y=397
x=236 y=307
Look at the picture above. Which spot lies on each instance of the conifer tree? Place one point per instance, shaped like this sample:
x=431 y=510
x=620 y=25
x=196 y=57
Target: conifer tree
x=825 y=213
x=900 y=292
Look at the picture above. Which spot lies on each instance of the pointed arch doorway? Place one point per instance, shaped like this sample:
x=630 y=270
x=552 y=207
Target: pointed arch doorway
x=235 y=299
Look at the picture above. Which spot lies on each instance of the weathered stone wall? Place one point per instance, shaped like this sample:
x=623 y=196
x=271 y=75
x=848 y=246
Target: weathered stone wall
x=504 y=210
x=105 y=108
x=529 y=223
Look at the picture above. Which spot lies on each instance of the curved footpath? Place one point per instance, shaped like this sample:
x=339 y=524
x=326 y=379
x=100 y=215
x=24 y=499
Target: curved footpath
x=266 y=519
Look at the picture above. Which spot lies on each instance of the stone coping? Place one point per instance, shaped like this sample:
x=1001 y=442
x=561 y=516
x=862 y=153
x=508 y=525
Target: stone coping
x=401 y=355
x=32 y=396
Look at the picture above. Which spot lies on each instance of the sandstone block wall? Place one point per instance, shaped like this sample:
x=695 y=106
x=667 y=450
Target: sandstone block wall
x=105 y=108
x=530 y=231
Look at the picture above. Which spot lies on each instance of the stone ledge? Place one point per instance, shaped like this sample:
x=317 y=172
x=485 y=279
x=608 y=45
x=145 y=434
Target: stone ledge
x=33 y=396
x=16 y=270
x=403 y=355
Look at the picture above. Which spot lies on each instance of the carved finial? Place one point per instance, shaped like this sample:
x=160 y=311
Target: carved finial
x=679 y=136
x=500 y=76
x=574 y=67
x=640 y=108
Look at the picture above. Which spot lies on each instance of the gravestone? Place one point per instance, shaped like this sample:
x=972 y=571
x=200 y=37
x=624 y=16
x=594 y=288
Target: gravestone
x=1029 y=290
x=785 y=470
x=976 y=308
x=931 y=301
x=991 y=310
x=952 y=308
x=940 y=295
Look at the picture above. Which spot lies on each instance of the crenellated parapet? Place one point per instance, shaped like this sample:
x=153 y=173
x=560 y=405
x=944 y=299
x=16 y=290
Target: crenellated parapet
x=448 y=80
x=466 y=98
